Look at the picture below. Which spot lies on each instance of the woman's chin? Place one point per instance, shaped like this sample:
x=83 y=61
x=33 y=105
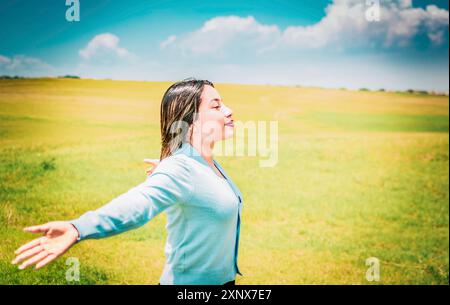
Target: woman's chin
x=228 y=134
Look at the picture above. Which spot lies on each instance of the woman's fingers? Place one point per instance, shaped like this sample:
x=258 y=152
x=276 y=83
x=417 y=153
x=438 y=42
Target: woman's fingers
x=28 y=253
x=38 y=257
x=46 y=260
x=29 y=245
x=151 y=161
x=154 y=163
x=37 y=229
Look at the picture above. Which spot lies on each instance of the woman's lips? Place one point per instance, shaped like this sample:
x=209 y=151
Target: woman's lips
x=231 y=124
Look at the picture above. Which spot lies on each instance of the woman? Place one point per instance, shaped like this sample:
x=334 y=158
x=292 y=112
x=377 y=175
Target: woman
x=203 y=205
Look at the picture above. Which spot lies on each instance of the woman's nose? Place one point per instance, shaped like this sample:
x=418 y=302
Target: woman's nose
x=225 y=110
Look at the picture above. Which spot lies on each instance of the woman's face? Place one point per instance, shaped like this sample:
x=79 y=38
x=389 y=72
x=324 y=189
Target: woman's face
x=215 y=120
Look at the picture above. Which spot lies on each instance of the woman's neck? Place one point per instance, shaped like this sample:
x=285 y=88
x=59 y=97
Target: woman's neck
x=205 y=148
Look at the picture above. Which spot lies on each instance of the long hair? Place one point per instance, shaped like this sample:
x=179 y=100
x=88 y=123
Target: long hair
x=179 y=106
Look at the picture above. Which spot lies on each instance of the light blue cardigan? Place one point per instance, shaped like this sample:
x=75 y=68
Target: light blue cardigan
x=203 y=218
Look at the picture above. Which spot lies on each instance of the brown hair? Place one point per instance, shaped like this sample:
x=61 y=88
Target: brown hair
x=179 y=106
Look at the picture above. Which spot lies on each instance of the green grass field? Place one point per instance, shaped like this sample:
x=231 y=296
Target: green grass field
x=359 y=175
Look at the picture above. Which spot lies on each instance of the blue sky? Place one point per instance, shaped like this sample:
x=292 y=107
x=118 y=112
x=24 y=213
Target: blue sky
x=312 y=42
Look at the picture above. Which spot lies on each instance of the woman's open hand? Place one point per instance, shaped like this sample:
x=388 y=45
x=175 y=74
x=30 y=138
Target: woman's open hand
x=58 y=237
x=154 y=163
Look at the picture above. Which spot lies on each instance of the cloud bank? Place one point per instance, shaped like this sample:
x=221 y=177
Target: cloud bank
x=344 y=26
x=22 y=64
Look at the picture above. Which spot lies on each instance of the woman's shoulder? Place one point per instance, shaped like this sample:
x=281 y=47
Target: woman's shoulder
x=172 y=176
x=175 y=165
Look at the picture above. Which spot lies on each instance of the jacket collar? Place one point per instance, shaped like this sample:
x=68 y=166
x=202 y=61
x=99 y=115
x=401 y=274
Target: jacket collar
x=188 y=150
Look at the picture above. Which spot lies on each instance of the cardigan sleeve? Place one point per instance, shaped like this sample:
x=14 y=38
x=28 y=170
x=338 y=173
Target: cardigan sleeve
x=168 y=185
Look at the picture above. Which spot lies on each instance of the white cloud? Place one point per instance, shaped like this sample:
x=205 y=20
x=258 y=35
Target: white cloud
x=4 y=60
x=105 y=46
x=403 y=24
x=20 y=64
x=219 y=35
x=170 y=40
x=344 y=25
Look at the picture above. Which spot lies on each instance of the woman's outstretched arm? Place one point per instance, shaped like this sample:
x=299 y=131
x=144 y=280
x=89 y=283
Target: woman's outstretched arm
x=169 y=184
